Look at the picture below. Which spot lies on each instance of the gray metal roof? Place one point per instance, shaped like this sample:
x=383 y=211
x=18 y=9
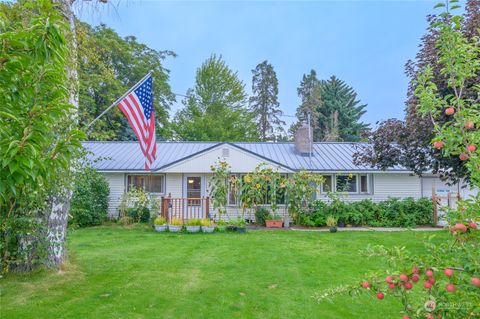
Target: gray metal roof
x=327 y=156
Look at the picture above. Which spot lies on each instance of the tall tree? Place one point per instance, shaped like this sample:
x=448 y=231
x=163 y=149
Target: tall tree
x=309 y=93
x=108 y=66
x=215 y=108
x=264 y=102
x=412 y=144
x=339 y=116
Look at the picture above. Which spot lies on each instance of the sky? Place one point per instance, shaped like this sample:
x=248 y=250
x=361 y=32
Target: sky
x=364 y=43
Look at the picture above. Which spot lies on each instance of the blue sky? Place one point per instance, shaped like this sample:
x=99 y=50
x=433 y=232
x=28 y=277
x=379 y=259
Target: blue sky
x=365 y=43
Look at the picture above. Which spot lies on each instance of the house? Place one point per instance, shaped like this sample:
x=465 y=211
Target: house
x=182 y=172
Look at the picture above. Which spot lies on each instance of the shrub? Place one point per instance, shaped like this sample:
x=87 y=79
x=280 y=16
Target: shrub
x=261 y=214
x=176 y=222
x=160 y=220
x=89 y=205
x=206 y=222
x=193 y=222
x=138 y=205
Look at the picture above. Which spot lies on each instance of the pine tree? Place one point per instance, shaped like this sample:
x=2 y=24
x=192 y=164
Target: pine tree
x=340 y=113
x=264 y=102
x=309 y=93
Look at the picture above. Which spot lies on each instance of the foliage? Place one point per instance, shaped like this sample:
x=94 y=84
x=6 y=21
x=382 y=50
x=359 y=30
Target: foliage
x=261 y=214
x=109 y=65
x=450 y=270
x=218 y=185
x=160 y=220
x=138 y=205
x=264 y=102
x=408 y=142
x=393 y=212
x=215 y=108
x=193 y=222
x=175 y=221
x=89 y=203
x=237 y=222
x=274 y=217
x=38 y=137
x=205 y=222
x=331 y=221
x=301 y=188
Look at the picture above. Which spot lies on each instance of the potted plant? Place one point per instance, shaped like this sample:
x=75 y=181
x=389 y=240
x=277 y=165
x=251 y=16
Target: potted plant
x=332 y=223
x=221 y=225
x=175 y=225
x=160 y=224
x=193 y=225
x=207 y=225
x=238 y=225
x=274 y=221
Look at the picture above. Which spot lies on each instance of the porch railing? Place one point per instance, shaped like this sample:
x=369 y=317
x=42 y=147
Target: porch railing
x=185 y=208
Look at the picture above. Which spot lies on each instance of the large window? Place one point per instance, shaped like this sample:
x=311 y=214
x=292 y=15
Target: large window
x=149 y=183
x=327 y=185
x=364 y=184
x=346 y=183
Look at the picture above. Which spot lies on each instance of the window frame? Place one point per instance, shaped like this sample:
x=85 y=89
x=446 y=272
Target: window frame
x=237 y=197
x=164 y=183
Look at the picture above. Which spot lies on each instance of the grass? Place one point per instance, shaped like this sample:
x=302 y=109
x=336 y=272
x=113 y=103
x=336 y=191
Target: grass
x=116 y=272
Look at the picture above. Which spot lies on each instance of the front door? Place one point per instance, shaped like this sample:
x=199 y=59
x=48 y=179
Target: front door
x=194 y=193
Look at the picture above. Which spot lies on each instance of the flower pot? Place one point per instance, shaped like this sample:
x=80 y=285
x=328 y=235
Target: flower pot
x=174 y=229
x=274 y=223
x=192 y=229
x=333 y=229
x=208 y=229
x=341 y=224
x=161 y=228
x=241 y=229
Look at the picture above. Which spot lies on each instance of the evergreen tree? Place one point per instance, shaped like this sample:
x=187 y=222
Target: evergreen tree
x=264 y=102
x=339 y=116
x=215 y=108
x=309 y=93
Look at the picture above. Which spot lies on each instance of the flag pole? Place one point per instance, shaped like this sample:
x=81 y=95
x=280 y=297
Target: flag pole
x=119 y=99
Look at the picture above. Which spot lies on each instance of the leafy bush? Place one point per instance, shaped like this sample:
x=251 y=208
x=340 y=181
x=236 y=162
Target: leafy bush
x=393 y=212
x=207 y=222
x=138 y=206
x=261 y=214
x=176 y=222
x=160 y=220
x=89 y=205
x=193 y=222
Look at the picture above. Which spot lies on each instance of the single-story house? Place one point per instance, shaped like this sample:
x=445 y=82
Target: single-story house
x=182 y=172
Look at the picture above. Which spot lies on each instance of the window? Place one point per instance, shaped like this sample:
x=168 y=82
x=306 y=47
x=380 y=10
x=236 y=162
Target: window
x=327 y=184
x=149 y=183
x=346 y=183
x=364 y=188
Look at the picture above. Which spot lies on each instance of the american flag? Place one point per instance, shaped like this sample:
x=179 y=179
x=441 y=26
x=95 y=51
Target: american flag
x=138 y=108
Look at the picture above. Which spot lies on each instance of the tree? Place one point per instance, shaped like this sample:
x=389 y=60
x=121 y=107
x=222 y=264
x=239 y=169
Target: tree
x=339 y=116
x=215 y=107
x=309 y=93
x=450 y=271
x=413 y=142
x=110 y=65
x=38 y=135
x=264 y=102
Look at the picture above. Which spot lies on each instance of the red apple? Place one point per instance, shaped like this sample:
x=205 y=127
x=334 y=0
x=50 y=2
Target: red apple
x=415 y=270
x=405 y=317
x=430 y=316
x=451 y=288
x=429 y=273
x=427 y=285
x=389 y=279
x=403 y=277
x=475 y=281
x=431 y=280
x=449 y=110
x=469 y=125
x=463 y=157
x=448 y=272
x=461 y=227
x=415 y=278
x=391 y=285
x=472 y=225
x=438 y=144
x=408 y=285
x=380 y=295
x=471 y=148
x=365 y=284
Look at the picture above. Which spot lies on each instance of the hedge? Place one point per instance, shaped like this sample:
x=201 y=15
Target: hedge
x=394 y=212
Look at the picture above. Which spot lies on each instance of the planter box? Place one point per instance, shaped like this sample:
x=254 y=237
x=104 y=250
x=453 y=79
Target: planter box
x=161 y=228
x=175 y=229
x=208 y=229
x=274 y=223
x=193 y=229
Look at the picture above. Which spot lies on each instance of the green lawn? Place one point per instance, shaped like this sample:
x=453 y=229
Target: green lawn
x=116 y=272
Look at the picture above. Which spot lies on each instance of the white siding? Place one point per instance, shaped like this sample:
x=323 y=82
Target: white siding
x=116 y=181
x=396 y=185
